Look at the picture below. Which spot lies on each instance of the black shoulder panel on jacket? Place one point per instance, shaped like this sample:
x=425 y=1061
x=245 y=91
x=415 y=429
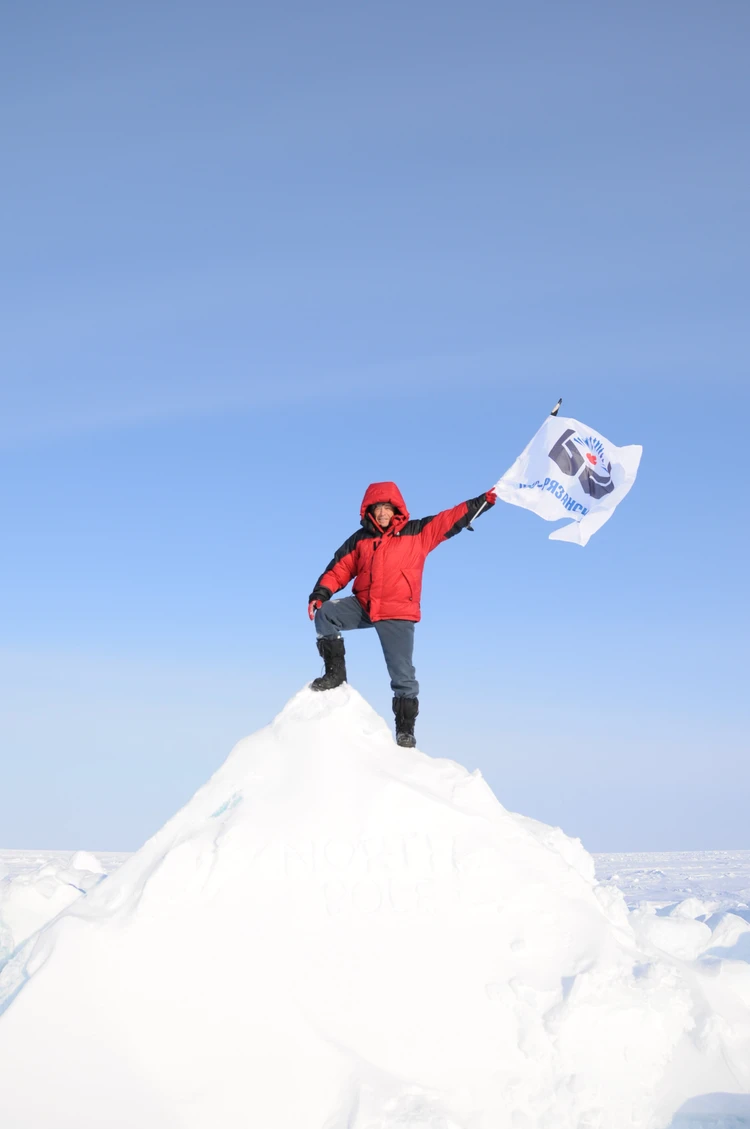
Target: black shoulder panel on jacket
x=472 y=509
x=415 y=527
x=343 y=551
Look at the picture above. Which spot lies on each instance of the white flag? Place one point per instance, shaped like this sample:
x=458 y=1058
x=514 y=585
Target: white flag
x=570 y=470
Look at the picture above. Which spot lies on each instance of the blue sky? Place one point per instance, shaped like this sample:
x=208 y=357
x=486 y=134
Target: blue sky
x=257 y=257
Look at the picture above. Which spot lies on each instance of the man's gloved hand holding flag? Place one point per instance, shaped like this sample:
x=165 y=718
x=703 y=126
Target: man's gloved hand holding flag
x=570 y=470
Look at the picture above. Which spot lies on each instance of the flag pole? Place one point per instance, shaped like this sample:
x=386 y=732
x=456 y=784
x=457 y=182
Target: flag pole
x=470 y=527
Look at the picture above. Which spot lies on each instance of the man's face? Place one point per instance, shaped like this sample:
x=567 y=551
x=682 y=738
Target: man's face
x=383 y=512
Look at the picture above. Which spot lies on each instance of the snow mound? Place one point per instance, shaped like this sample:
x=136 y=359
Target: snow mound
x=336 y=933
x=28 y=901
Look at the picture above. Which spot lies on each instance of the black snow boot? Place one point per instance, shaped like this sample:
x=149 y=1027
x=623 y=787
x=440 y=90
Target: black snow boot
x=405 y=711
x=331 y=650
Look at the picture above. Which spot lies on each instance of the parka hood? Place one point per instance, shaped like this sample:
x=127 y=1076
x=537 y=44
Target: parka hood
x=385 y=492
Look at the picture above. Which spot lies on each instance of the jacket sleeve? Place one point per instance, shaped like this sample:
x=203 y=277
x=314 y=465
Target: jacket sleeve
x=435 y=530
x=339 y=571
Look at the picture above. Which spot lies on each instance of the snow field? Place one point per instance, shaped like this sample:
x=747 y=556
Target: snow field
x=336 y=933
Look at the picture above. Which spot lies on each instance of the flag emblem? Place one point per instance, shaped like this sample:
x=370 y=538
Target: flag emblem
x=595 y=453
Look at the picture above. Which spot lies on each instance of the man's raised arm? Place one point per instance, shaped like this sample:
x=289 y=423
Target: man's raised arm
x=434 y=530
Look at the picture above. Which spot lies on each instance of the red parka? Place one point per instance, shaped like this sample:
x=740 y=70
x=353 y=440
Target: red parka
x=387 y=564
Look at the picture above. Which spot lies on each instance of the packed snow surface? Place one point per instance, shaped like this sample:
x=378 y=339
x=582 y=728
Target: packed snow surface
x=668 y=877
x=656 y=879
x=336 y=933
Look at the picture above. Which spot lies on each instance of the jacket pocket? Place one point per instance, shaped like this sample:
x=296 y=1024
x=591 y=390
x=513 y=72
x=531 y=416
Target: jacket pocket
x=411 y=577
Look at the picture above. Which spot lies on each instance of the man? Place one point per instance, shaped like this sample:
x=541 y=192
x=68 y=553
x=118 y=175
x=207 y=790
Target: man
x=385 y=558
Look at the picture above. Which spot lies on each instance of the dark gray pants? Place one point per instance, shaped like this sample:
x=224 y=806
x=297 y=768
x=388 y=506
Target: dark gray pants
x=396 y=638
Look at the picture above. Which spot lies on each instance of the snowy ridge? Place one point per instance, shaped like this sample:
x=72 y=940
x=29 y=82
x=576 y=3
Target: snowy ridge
x=336 y=933
x=657 y=878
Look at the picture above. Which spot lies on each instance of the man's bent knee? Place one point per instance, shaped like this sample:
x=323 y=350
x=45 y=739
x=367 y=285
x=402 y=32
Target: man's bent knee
x=324 y=623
